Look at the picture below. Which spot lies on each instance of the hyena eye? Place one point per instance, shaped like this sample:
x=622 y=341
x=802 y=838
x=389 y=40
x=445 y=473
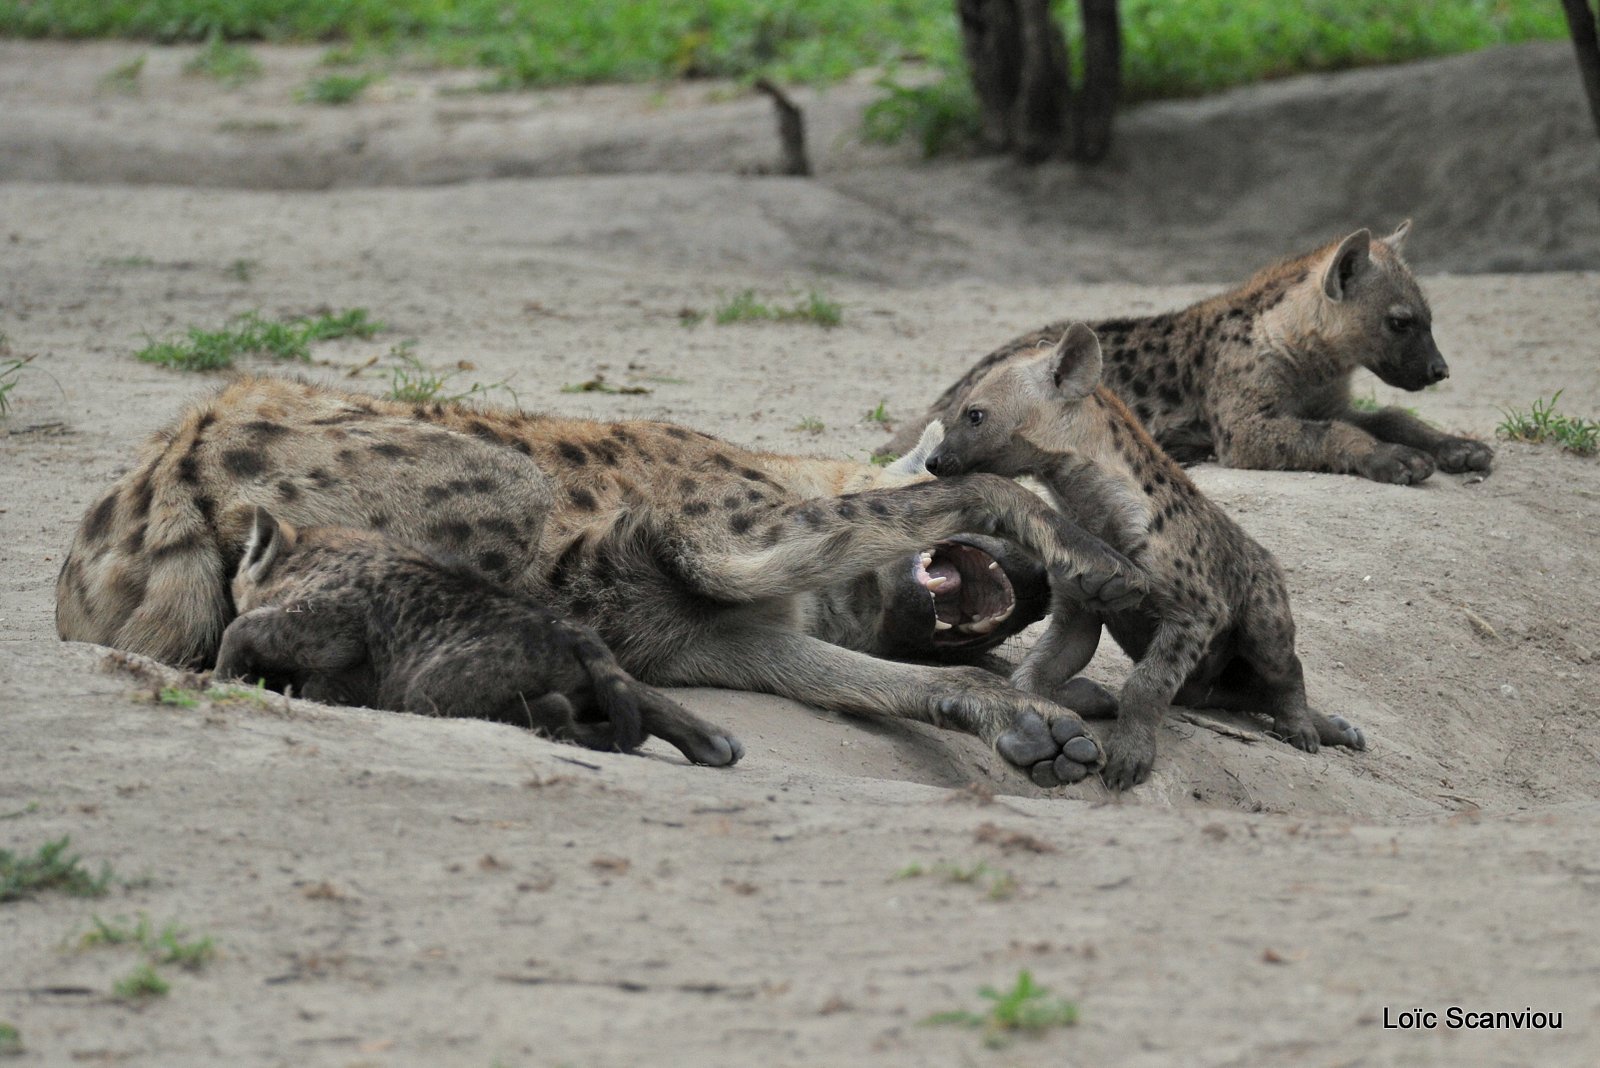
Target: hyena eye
x=975 y=416
x=1399 y=324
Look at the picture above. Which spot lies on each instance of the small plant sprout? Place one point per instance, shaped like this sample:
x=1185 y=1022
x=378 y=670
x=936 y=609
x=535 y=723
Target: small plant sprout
x=10 y=371
x=811 y=425
x=141 y=984
x=335 y=89
x=1025 y=1009
x=232 y=65
x=10 y=1040
x=880 y=414
x=414 y=383
x=50 y=867
x=1541 y=424
x=124 y=79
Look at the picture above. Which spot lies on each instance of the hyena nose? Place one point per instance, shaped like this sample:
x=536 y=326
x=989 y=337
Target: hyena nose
x=1438 y=370
x=941 y=463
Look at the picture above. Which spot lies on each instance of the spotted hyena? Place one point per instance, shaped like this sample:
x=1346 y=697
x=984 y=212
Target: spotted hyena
x=1215 y=631
x=699 y=563
x=1260 y=376
x=354 y=617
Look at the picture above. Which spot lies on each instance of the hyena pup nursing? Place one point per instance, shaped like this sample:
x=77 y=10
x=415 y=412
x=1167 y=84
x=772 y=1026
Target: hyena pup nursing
x=353 y=617
x=1260 y=376
x=1215 y=629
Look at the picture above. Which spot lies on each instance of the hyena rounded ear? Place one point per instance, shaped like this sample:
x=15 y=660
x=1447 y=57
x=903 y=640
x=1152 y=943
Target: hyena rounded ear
x=268 y=538
x=1076 y=363
x=1397 y=240
x=1349 y=261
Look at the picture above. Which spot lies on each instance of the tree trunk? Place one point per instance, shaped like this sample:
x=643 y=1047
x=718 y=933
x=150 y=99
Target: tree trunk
x=1018 y=61
x=1586 y=40
x=1102 y=78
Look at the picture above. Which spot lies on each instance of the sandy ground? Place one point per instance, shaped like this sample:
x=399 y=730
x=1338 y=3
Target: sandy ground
x=392 y=890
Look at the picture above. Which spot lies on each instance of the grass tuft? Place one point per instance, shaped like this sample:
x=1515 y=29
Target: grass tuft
x=335 y=89
x=141 y=984
x=1025 y=1009
x=415 y=383
x=745 y=307
x=230 y=64
x=50 y=867
x=124 y=79
x=251 y=335
x=10 y=1040
x=10 y=372
x=1541 y=424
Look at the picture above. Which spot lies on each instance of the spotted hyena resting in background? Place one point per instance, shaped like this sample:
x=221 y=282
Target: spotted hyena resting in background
x=1215 y=631
x=1260 y=376
x=698 y=562
x=354 y=617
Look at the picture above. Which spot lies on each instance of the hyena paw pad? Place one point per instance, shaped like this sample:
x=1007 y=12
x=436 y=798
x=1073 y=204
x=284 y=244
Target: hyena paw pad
x=1456 y=455
x=1053 y=752
x=1399 y=465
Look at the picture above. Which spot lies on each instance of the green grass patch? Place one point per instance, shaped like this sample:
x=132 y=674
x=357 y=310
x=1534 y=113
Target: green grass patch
x=230 y=64
x=143 y=983
x=335 y=89
x=251 y=335
x=10 y=1040
x=124 y=80
x=879 y=415
x=997 y=885
x=811 y=425
x=50 y=867
x=1025 y=1009
x=1541 y=424
x=746 y=307
x=170 y=945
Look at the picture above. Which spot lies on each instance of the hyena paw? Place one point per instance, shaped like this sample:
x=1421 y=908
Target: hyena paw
x=1298 y=731
x=1054 y=752
x=715 y=749
x=1087 y=698
x=1462 y=454
x=1111 y=590
x=1336 y=730
x=1129 y=757
x=1400 y=465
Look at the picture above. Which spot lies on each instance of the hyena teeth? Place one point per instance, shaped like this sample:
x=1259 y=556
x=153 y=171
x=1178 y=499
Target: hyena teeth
x=982 y=626
x=937 y=583
x=994 y=565
x=939 y=624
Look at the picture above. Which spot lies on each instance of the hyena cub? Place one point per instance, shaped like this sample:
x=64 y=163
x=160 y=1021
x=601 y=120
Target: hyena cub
x=1215 y=630
x=1260 y=376
x=354 y=617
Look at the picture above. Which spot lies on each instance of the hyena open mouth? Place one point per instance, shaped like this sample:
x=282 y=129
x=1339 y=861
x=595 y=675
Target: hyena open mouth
x=970 y=591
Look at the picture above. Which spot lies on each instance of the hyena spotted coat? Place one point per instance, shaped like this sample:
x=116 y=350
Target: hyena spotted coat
x=1260 y=376
x=354 y=617
x=700 y=563
x=1215 y=631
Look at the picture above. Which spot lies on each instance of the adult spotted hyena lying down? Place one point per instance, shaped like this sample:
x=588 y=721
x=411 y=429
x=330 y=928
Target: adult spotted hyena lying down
x=699 y=563
x=1260 y=376
x=354 y=617
x=1215 y=631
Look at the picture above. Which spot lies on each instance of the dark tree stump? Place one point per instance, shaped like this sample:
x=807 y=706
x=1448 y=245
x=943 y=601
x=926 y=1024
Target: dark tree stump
x=1586 y=40
x=791 y=130
x=1102 y=80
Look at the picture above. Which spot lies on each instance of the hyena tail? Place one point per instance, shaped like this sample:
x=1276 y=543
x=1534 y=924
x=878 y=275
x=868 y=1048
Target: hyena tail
x=145 y=572
x=618 y=695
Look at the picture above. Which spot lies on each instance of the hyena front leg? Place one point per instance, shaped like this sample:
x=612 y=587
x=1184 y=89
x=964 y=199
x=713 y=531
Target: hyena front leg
x=795 y=548
x=1043 y=740
x=1174 y=650
x=280 y=647
x=1051 y=668
x=1266 y=643
x=1287 y=443
x=1399 y=426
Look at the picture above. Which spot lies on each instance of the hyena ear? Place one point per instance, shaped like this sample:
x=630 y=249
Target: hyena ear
x=1397 y=240
x=268 y=537
x=1075 y=364
x=1349 y=260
